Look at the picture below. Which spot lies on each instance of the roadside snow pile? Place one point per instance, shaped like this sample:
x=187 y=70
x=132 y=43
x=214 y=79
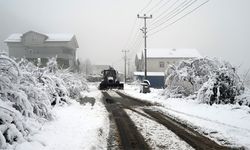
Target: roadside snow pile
x=210 y=80
x=29 y=92
x=76 y=127
x=226 y=124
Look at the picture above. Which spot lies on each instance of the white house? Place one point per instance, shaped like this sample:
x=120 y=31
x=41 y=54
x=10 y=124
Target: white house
x=33 y=45
x=158 y=60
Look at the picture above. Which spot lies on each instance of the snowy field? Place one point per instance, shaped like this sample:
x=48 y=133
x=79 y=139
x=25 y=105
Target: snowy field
x=226 y=124
x=75 y=127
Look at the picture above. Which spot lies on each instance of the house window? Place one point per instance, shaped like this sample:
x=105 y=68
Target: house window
x=67 y=51
x=62 y=62
x=29 y=51
x=162 y=65
x=44 y=61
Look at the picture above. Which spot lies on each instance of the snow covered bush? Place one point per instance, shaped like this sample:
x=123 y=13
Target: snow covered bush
x=12 y=127
x=28 y=91
x=211 y=80
x=74 y=83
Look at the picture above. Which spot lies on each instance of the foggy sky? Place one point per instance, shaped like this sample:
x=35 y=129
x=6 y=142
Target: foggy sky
x=221 y=28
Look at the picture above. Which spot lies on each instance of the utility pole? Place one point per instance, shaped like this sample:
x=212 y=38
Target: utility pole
x=129 y=67
x=144 y=30
x=86 y=67
x=125 y=63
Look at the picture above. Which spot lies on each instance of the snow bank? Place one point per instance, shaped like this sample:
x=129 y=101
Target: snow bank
x=28 y=92
x=226 y=124
x=75 y=127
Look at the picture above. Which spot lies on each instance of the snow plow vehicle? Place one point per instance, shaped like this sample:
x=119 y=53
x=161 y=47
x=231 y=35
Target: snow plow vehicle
x=110 y=80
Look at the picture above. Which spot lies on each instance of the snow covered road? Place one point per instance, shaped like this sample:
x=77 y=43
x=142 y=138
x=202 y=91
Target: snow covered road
x=156 y=130
x=157 y=135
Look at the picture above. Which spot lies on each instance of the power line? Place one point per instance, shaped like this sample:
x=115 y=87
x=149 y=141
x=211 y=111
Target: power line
x=134 y=37
x=159 y=18
x=149 y=2
x=180 y=17
x=162 y=6
x=131 y=31
x=138 y=45
x=175 y=14
x=176 y=11
x=135 y=41
x=136 y=48
x=132 y=47
x=157 y=4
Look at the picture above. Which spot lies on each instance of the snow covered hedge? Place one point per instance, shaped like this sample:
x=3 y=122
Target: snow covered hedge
x=27 y=91
x=210 y=80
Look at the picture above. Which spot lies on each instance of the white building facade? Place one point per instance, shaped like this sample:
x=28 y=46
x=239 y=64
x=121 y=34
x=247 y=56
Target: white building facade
x=159 y=60
x=33 y=45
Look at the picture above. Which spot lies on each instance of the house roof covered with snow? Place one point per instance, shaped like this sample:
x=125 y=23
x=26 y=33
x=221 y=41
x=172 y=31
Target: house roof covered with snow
x=173 y=53
x=58 y=37
x=14 y=38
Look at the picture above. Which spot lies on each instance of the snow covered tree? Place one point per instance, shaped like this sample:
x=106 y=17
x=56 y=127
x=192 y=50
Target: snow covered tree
x=211 y=80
